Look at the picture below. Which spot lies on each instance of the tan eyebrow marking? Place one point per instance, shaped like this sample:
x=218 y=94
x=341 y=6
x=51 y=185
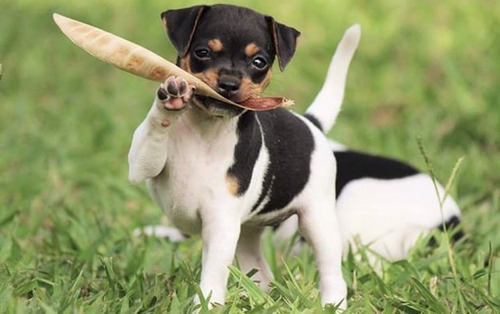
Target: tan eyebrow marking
x=251 y=49
x=210 y=77
x=215 y=44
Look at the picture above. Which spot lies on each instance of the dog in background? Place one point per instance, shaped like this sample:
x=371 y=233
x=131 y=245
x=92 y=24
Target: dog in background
x=383 y=204
x=227 y=173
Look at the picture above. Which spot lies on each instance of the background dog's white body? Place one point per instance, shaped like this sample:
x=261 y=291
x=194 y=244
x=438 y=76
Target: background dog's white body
x=389 y=216
x=386 y=216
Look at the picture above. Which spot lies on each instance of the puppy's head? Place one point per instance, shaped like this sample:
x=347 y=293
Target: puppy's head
x=230 y=48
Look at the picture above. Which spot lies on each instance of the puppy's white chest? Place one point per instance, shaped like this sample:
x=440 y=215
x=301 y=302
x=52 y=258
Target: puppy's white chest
x=195 y=173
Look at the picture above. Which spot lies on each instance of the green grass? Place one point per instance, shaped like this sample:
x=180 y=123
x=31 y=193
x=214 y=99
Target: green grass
x=423 y=69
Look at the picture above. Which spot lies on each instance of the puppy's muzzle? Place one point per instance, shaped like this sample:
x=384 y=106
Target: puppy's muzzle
x=228 y=85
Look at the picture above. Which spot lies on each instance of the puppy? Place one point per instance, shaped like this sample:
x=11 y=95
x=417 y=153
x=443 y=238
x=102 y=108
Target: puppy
x=227 y=173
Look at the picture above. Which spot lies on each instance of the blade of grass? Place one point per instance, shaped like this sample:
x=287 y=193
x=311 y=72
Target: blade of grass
x=449 y=250
x=428 y=297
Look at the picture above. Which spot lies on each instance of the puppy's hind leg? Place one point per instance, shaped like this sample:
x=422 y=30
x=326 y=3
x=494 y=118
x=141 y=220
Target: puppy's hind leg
x=318 y=224
x=249 y=255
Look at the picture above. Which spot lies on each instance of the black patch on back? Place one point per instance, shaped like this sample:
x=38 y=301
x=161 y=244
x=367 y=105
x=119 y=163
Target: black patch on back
x=314 y=121
x=290 y=144
x=352 y=165
x=246 y=151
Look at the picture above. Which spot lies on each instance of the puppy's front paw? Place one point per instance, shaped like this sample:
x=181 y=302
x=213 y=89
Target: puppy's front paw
x=175 y=93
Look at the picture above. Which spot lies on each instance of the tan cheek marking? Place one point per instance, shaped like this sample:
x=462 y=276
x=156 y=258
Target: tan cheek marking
x=209 y=77
x=251 y=49
x=215 y=44
x=250 y=89
x=185 y=63
x=267 y=80
x=232 y=184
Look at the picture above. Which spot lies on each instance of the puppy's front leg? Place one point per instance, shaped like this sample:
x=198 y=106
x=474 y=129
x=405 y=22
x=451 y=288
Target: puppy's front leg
x=220 y=233
x=148 y=152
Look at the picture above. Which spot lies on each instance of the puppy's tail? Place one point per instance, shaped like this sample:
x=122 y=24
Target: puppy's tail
x=324 y=110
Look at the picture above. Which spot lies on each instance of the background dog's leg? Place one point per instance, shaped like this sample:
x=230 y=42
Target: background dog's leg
x=285 y=233
x=220 y=232
x=250 y=257
x=319 y=225
x=170 y=233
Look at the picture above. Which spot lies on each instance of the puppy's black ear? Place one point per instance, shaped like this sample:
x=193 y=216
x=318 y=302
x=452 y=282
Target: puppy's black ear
x=285 y=42
x=181 y=25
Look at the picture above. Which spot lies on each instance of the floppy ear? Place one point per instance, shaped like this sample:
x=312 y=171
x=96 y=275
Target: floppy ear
x=181 y=25
x=285 y=42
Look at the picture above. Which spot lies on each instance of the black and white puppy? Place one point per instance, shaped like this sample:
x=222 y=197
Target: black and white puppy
x=228 y=173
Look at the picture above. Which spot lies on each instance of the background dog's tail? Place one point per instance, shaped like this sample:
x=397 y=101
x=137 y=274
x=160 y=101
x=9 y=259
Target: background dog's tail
x=325 y=108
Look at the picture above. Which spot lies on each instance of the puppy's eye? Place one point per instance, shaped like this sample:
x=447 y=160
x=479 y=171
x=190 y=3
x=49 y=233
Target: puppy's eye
x=259 y=62
x=202 y=53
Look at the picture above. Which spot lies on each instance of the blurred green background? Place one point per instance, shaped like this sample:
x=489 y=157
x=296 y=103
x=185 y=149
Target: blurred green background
x=426 y=69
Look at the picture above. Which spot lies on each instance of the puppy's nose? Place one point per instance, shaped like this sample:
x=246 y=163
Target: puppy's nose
x=228 y=85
